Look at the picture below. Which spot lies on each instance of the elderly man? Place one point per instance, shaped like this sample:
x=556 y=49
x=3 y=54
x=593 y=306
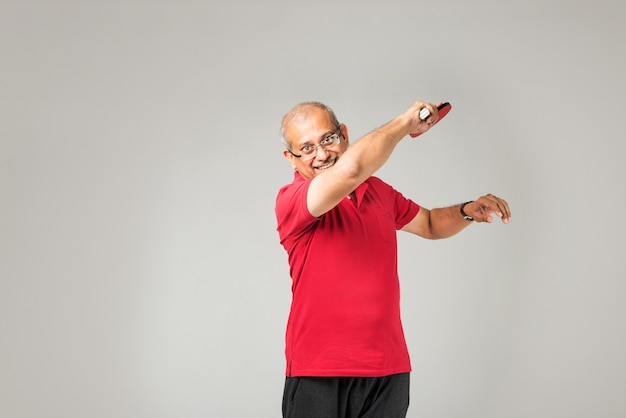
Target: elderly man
x=345 y=347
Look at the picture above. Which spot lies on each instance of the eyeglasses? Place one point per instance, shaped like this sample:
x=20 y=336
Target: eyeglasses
x=308 y=152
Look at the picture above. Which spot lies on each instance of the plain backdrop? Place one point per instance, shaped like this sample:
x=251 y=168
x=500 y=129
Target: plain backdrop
x=140 y=269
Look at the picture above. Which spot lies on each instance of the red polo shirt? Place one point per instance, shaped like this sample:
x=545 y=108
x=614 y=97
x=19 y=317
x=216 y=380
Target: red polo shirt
x=345 y=311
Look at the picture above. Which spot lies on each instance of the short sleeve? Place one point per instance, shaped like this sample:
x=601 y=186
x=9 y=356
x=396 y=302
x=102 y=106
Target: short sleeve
x=292 y=214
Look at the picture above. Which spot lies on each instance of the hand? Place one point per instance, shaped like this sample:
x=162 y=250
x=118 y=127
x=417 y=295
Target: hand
x=484 y=206
x=418 y=126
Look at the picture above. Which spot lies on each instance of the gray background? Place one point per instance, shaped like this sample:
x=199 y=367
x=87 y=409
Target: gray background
x=141 y=274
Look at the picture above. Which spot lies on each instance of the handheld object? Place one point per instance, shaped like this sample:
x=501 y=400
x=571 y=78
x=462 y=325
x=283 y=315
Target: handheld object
x=442 y=111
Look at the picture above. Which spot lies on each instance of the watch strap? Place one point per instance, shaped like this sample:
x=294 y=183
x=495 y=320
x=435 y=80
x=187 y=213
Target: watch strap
x=465 y=215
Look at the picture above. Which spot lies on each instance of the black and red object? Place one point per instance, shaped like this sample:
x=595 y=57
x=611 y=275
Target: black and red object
x=442 y=111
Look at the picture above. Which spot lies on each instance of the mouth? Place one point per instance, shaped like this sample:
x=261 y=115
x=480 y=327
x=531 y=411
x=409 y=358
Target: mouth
x=326 y=165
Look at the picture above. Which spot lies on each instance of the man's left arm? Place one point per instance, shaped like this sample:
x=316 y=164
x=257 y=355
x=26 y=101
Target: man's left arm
x=445 y=222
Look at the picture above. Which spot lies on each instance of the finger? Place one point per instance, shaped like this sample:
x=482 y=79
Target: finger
x=503 y=208
x=434 y=113
x=500 y=207
x=427 y=113
x=506 y=211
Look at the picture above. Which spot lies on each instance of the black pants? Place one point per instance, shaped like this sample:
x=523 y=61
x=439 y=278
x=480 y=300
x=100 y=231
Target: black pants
x=346 y=397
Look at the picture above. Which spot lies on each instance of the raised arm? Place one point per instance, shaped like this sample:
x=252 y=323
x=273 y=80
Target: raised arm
x=355 y=164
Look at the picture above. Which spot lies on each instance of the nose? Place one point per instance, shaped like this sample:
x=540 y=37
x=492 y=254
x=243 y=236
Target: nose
x=323 y=151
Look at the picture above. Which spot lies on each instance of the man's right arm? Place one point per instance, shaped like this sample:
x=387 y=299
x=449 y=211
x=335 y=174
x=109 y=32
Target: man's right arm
x=363 y=158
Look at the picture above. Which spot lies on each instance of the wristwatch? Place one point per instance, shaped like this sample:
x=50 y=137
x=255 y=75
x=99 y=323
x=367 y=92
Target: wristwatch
x=465 y=215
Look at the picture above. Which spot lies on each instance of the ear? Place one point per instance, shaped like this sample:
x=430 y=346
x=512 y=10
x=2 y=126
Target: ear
x=344 y=133
x=290 y=158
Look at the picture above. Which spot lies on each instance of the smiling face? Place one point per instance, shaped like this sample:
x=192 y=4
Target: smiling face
x=305 y=127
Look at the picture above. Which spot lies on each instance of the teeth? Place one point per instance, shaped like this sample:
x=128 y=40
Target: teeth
x=324 y=167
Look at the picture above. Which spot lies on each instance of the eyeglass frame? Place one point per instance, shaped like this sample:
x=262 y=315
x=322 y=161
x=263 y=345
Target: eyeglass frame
x=338 y=135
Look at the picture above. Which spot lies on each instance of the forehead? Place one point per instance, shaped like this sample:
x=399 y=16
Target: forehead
x=309 y=125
